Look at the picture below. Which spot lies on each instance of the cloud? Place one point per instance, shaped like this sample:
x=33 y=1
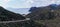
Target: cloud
x=20 y=3
x=4 y=2
x=27 y=3
x=39 y=3
x=42 y=2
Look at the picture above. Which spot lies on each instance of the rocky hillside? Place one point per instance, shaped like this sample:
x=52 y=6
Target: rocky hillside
x=6 y=15
x=48 y=15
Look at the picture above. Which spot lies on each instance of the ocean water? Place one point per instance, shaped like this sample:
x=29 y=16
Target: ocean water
x=19 y=10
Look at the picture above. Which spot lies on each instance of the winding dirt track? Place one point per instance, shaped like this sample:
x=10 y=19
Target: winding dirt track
x=14 y=21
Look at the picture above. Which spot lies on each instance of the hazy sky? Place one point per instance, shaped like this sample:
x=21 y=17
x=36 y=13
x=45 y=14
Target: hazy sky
x=26 y=3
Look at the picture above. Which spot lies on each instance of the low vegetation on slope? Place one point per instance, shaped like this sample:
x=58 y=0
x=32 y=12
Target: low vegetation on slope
x=48 y=16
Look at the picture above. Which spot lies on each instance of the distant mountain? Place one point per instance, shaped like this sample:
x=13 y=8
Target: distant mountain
x=52 y=7
x=19 y=10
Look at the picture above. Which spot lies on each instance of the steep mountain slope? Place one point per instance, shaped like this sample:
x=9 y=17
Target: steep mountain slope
x=6 y=15
x=48 y=16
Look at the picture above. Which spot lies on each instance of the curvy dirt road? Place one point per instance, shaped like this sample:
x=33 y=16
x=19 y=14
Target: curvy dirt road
x=15 y=21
